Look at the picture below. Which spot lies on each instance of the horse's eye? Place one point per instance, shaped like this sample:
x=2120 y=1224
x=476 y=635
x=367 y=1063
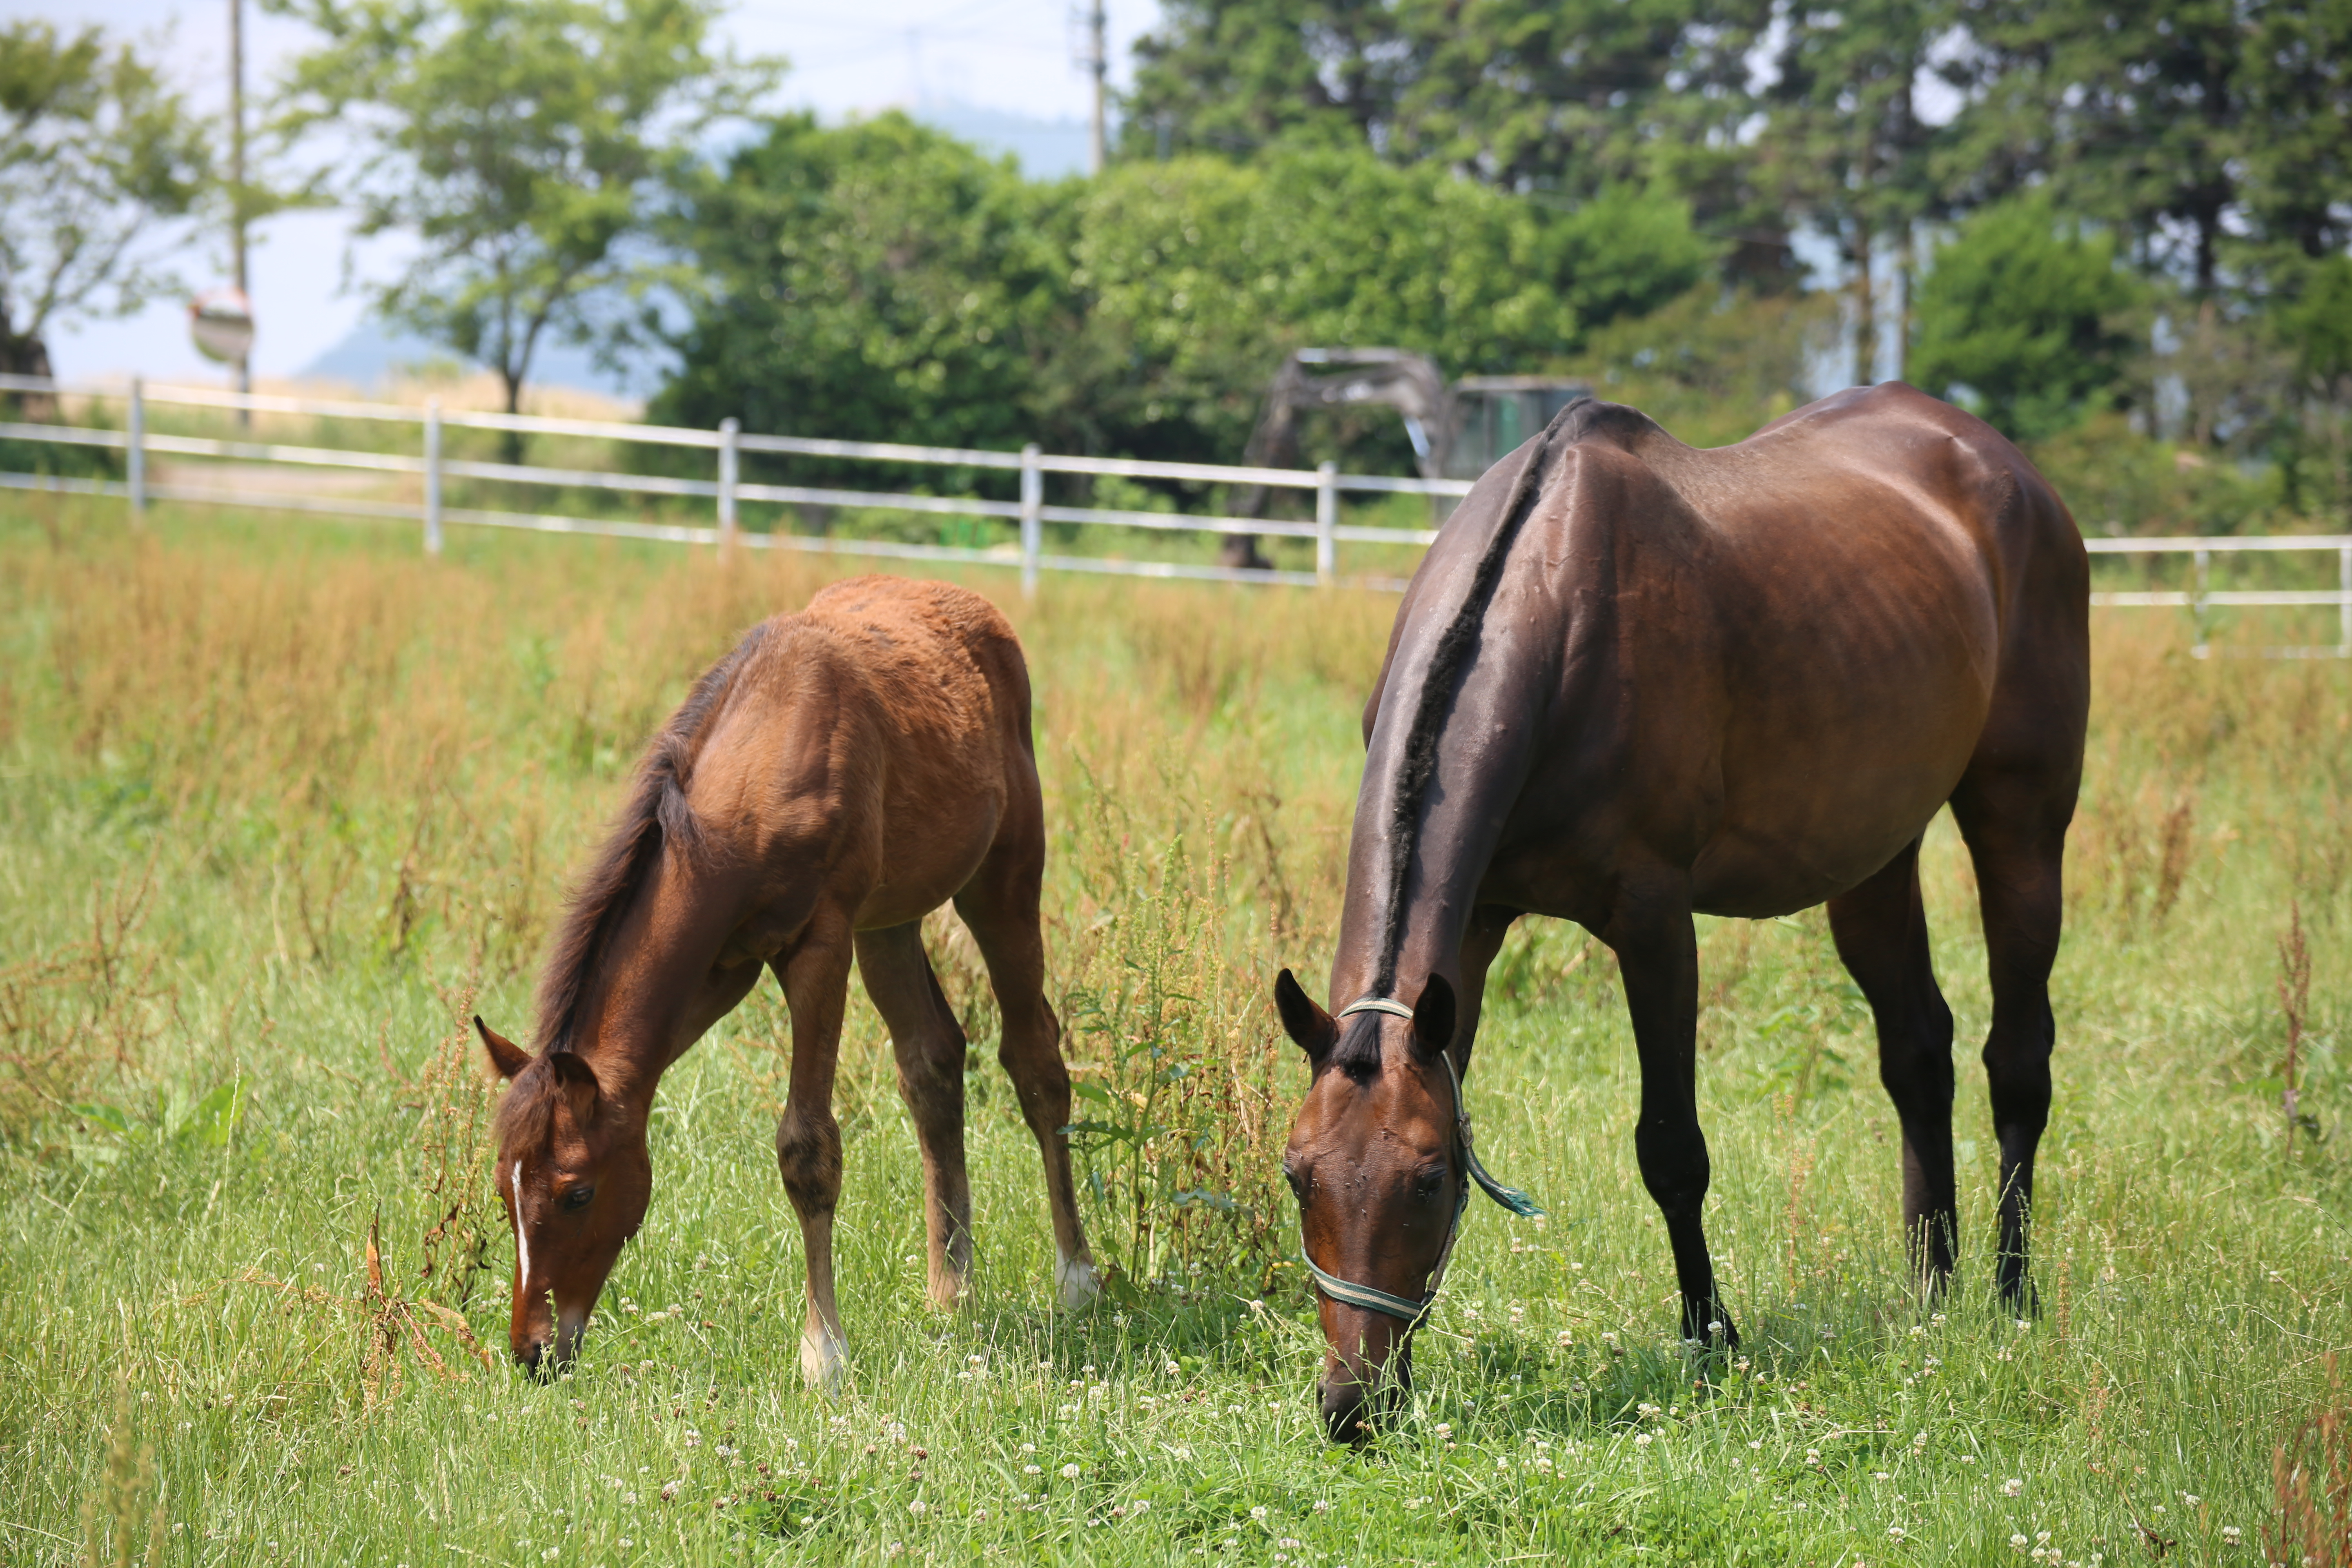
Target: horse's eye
x=578 y=1197
x=1425 y=1185
x=1297 y=1180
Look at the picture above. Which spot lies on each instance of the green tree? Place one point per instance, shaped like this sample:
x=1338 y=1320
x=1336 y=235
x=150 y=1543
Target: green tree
x=1213 y=271
x=98 y=155
x=1563 y=99
x=880 y=282
x=521 y=142
x=1847 y=143
x=2027 y=313
x=2138 y=115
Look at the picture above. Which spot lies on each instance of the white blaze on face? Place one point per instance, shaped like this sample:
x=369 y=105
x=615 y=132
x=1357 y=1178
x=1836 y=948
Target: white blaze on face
x=523 y=1243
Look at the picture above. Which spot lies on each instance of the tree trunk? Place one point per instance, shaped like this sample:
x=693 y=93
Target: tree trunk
x=28 y=355
x=510 y=441
x=1866 y=311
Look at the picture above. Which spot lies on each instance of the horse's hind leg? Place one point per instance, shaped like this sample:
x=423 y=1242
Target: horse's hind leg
x=1000 y=906
x=1881 y=935
x=815 y=973
x=2016 y=831
x=930 y=1047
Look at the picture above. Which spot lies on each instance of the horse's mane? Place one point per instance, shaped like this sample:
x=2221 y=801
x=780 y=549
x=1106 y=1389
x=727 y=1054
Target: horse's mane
x=1358 y=1049
x=657 y=815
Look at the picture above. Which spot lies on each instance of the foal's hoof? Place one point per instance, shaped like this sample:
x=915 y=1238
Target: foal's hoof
x=1076 y=1280
x=823 y=1362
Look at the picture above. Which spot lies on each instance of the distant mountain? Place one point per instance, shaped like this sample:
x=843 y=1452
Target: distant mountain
x=372 y=353
x=1046 y=148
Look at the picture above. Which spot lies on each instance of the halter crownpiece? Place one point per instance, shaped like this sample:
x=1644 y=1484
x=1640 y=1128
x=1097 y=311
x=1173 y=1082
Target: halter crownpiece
x=1348 y=1293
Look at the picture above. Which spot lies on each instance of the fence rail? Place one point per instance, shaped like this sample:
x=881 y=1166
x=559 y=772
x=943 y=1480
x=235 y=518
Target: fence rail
x=726 y=491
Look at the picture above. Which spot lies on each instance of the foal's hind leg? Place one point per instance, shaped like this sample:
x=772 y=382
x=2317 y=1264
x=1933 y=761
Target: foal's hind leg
x=1000 y=906
x=815 y=973
x=2016 y=833
x=930 y=1045
x=1881 y=935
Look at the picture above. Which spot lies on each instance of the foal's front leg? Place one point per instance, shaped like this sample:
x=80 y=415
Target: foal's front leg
x=815 y=973
x=1657 y=953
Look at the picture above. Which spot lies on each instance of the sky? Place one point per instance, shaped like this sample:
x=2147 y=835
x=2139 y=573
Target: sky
x=953 y=61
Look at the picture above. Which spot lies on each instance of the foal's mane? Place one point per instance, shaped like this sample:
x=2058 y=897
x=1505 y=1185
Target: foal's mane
x=657 y=815
x=1358 y=1049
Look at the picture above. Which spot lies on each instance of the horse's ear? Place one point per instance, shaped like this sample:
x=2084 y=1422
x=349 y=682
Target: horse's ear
x=1309 y=1028
x=575 y=1081
x=505 y=1057
x=1434 y=1016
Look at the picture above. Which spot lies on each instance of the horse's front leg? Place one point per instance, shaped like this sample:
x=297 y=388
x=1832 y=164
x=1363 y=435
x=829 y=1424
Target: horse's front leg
x=1657 y=953
x=815 y=973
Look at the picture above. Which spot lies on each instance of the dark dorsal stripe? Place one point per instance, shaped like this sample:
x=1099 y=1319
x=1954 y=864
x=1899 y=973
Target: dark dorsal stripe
x=657 y=814
x=1434 y=700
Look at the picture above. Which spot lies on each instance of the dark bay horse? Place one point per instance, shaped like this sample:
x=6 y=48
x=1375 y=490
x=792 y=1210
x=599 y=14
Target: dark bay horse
x=1633 y=682
x=840 y=774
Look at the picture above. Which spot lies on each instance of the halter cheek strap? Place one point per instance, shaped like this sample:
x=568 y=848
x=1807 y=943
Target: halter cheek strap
x=1347 y=1292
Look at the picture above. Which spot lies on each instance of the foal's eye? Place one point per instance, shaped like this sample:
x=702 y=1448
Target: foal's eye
x=578 y=1197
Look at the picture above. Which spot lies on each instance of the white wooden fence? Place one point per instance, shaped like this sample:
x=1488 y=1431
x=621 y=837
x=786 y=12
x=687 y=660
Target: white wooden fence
x=726 y=491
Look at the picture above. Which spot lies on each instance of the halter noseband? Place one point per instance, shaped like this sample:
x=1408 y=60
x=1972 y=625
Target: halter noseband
x=1405 y=1307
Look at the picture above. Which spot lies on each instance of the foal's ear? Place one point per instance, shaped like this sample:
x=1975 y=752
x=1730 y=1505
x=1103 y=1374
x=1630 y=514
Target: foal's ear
x=506 y=1059
x=1434 y=1016
x=575 y=1081
x=1309 y=1028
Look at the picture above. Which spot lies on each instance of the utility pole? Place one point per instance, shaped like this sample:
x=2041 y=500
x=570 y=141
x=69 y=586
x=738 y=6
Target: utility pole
x=237 y=186
x=1097 y=62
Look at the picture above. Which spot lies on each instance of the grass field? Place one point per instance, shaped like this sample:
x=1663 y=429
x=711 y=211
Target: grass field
x=283 y=804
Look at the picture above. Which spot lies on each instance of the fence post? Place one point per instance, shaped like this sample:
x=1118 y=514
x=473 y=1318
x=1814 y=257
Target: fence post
x=2343 y=603
x=1327 y=517
x=135 y=470
x=1033 y=518
x=432 y=476
x=2200 y=648
x=730 y=456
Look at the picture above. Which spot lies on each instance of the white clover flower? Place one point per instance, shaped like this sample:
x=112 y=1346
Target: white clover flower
x=1172 y=1369
x=2017 y=1543
x=1033 y=1470
x=1443 y=1429
x=1140 y=1505
x=2012 y=1487
x=1258 y=1512
x=1322 y=1507
x=1813 y=1456
x=1642 y=1439
x=2231 y=1535
x=2190 y=1499
x=1069 y=1473
x=919 y=1507
x=1028 y=1447
x=1894 y=1532
x=1288 y=1544
x=1880 y=1476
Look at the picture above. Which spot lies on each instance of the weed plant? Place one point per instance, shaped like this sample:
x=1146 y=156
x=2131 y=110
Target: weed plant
x=283 y=806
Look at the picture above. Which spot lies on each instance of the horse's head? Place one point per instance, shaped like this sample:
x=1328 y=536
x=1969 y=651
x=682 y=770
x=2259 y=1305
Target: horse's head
x=574 y=1172
x=1378 y=1169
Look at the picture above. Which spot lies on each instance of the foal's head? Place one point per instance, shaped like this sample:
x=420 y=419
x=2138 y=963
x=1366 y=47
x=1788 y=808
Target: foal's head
x=1377 y=1171
x=574 y=1172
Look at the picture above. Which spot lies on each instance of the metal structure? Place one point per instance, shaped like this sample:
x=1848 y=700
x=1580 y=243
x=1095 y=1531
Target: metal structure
x=1457 y=431
x=726 y=493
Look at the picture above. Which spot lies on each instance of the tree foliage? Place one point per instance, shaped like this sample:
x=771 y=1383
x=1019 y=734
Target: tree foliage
x=98 y=154
x=883 y=281
x=520 y=142
x=2028 y=314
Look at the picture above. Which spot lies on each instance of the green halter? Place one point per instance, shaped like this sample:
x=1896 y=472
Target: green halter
x=1411 y=1311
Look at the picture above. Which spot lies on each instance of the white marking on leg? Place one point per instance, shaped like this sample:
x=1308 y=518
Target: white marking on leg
x=1076 y=1278
x=822 y=1358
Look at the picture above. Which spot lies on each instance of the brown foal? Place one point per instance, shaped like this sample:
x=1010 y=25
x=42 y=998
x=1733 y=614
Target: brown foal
x=840 y=774
x=1634 y=681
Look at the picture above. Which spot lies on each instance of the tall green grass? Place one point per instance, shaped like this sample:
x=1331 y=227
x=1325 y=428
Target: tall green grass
x=280 y=805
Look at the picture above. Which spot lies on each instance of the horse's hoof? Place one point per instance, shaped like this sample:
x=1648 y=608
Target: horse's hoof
x=823 y=1362
x=1076 y=1280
